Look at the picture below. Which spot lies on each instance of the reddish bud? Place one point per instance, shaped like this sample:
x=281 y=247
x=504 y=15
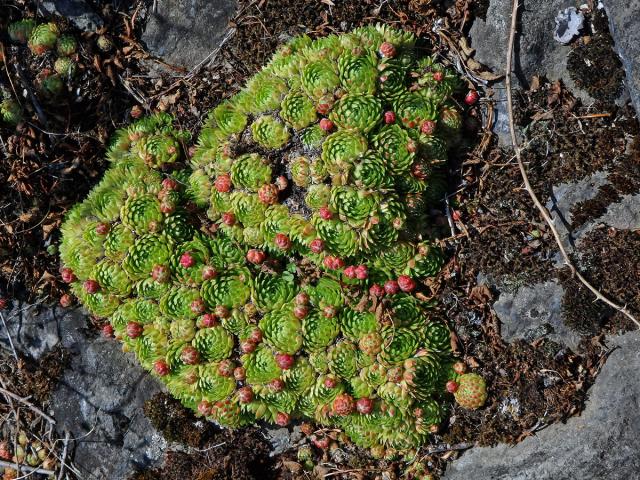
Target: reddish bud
x=103 y=228
x=329 y=311
x=377 y=290
x=428 y=127
x=67 y=275
x=229 y=219
x=208 y=272
x=387 y=50
x=134 y=329
x=472 y=97
x=204 y=408
x=406 y=283
x=438 y=76
x=208 y=320
x=282 y=419
x=362 y=272
x=167 y=207
x=316 y=245
x=452 y=386
x=322 y=442
x=343 y=404
x=282 y=241
x=187 y=260
x=161 y=367
x=326 y=124
x=226 y=367
x=169 y=184
x=325 y=213
x=245 y=394
x=330 y=382
x=91 y=286
x=256 y=335
x=160 y=273
x=107 y=330
x=276 y=385
x=391 y=287
x=364 y=406
x=247 y=346
x=350 y=271
x=222 y=311
x=268 y=194
x=412 y=147
x=333 y=263
x=197 y=306
x=223 y=183
x=284 y=361
x=65 y=301
x=389 y=117
x=239 y=373
x=189 y=355
x=302 y=298
x=256 y=256
x=300 y=311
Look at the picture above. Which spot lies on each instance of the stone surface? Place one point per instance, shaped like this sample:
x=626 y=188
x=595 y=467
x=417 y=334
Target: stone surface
x=78 y=12
x=100 y=396
x=186 y=32
x=569 y=22
x=600 y=444
x=624 y=24
x=533 y=312
x=536 y=52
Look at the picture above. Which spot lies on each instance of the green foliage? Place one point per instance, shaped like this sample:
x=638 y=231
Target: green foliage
x=303 y=178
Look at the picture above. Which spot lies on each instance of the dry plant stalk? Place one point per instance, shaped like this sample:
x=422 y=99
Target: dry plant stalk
x=543 y=211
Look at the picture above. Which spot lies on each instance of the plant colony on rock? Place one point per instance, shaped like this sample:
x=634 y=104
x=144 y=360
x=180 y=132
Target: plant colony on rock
x=280 y=275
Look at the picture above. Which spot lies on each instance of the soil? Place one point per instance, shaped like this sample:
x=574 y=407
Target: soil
x=497 y=230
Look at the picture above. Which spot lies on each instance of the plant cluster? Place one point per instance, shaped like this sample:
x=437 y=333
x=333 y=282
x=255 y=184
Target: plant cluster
x=44 y=38
x=280 y=274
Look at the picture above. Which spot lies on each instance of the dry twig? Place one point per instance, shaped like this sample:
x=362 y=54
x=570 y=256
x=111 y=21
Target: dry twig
x=25 y=402
x=541 y=208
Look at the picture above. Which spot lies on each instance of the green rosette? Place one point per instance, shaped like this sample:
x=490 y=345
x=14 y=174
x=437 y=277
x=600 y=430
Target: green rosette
x=370 y=172
x=398 y=344
x=140 y=213
x=43 y=38
x=269 y=132
x=407 y=311
x=198 y=250
x=342 y=359
x=230 y=289
x=341 y=149
x=266 y=92
x=354 y=206
x=10 y=111
x=177 y=227
x=250 y=172
x=159 y=150
x=318 y=331
x=248 y=209
x=150 y=346
x=326 y=292
x=300 y=377
x=426 y=377
x=413 y=109
x=356 y=111
x=101 y=304
x=228 y=119
x=149 y=288
x=260 y=366
x=214 y=344
x=319 y=78
x=112 y=277
x=437 y=337
x=392 y=143
x=429 y=260
x=282 y=330
x=298 y=110
x=313 y=136
x=358 y=73
x=213 y=386
x=146 y=252
x=318 y=196
x=20 y=31
x=300 y=168
x=338 y=236
x=176 y=303
x=355 y=325
x=271 y=291
x=183 y=329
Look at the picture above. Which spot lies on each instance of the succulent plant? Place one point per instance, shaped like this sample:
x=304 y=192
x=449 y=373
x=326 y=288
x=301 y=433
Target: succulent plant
x=20 y=31
x=43 y=38
x=65 y=67
x=10 y=109
x=66 y=45
x=298 y=295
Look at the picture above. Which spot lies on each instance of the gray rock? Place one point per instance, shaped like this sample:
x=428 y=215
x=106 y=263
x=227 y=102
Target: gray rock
x=78 y=12
x=100 y=396
x=186 y=32
x=535 y=50
x=600 y=444
x=533 y=312
x=624 y=24
x=283 y=439
x=569 y=22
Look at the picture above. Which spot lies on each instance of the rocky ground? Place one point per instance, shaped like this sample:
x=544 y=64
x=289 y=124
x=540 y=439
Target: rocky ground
x=562 y=370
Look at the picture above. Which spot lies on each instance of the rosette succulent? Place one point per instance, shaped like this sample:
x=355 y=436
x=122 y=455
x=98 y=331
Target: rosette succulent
x=277 y=272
